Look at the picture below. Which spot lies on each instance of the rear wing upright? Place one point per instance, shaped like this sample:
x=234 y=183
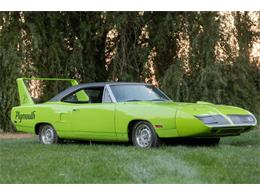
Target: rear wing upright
x=24 y=94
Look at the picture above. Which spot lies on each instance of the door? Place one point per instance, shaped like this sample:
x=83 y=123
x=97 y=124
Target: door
x=93 y=119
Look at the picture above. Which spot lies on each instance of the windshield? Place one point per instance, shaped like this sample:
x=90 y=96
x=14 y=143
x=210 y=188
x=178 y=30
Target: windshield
x=137 y=92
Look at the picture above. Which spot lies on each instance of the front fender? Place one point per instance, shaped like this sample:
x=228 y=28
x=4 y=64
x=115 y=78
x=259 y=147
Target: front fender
x=161 y=117
x=188 y=125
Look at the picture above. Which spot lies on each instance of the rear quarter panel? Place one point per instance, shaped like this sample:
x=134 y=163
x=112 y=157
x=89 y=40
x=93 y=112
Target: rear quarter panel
x=26 y=117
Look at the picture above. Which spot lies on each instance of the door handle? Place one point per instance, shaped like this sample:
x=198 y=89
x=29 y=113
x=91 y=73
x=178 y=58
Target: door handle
x=75 y=109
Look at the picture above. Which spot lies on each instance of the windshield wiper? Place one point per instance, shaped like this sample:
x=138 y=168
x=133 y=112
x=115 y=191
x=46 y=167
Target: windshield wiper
x=132 y=100
x=136 y=100
x=158 y=99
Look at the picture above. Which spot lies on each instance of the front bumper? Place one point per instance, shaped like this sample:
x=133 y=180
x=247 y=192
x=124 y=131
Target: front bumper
x=229 y=130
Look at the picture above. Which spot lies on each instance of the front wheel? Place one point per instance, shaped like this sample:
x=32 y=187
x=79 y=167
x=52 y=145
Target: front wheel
x=48 y=135
x=144 y=135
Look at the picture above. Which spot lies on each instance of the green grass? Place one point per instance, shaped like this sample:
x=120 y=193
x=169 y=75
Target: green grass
x=235 y=160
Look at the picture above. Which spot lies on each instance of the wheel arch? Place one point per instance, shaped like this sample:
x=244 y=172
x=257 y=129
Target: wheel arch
x=131 y=125
x=38 y=125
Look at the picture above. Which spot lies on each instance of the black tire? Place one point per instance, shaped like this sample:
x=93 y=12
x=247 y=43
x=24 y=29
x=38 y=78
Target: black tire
x=144 y=135
x=208 y=141
x=48 y=135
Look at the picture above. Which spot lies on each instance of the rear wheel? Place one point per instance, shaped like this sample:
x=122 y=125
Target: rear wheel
x=48 y=135
x=144 y=135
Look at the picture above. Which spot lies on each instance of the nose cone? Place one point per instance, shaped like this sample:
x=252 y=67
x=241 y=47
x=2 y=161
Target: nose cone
x=193 y=119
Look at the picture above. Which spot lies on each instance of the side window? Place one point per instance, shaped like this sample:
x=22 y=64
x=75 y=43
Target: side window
x=95 y=94
x=76 y=97
x=106 y=96
x=71 y=97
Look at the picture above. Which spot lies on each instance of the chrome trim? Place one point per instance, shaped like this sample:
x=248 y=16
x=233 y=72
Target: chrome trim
x=169 y=99
x=110 y=93
x=105 y=90
x=231 y=125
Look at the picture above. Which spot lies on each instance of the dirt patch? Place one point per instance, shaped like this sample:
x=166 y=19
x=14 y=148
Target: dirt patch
x=15 y=135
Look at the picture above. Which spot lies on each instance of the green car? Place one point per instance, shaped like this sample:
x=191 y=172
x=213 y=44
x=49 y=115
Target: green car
x=124 y=111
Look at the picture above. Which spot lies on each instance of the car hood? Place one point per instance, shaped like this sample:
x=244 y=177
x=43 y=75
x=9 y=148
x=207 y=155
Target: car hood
x=208 y=108
x=201 y=108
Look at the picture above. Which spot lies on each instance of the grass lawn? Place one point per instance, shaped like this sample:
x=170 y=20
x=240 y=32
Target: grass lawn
x=235 y=160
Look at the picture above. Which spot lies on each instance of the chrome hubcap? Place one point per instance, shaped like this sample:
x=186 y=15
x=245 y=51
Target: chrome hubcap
x=143 y=136
x=47 y=135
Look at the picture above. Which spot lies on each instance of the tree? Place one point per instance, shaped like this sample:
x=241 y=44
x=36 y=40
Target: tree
x=190 y=55
x=10 y=65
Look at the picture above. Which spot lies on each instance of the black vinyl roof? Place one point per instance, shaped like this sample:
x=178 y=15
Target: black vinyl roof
x=71 y=89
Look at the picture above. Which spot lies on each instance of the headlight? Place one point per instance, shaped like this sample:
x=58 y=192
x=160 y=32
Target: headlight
x=213 y=119
x=242 y=119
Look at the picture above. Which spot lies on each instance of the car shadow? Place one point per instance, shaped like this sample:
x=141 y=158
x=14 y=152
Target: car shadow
x=245 y=143
x=86 y=142
x=190 y=142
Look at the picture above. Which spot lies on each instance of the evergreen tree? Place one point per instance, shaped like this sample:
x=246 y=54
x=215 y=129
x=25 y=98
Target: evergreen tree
x=190 y=55
x=10 y=65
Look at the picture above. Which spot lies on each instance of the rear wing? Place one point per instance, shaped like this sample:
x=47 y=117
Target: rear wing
x=24 y=94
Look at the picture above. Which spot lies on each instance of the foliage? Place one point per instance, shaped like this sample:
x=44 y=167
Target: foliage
x=191 y=55
x=10 y=65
